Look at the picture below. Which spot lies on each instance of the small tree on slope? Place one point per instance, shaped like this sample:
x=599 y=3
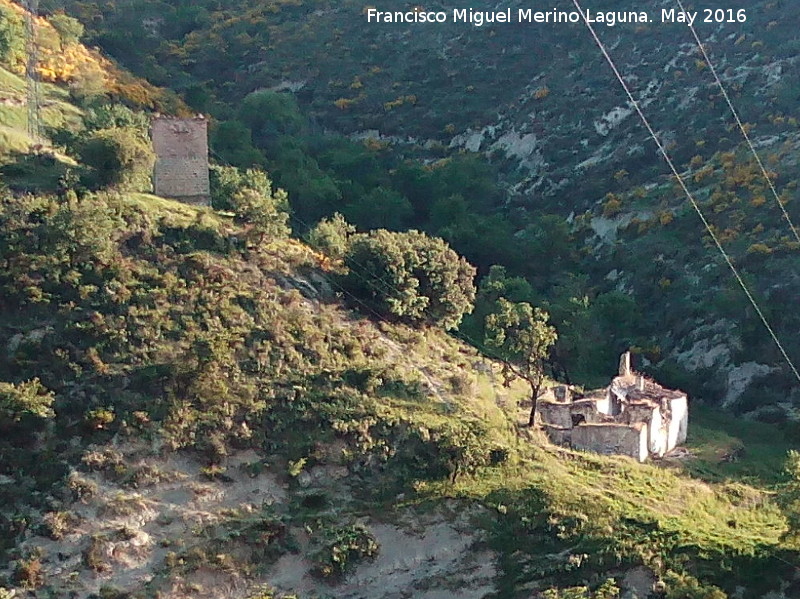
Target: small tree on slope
x=522 y=338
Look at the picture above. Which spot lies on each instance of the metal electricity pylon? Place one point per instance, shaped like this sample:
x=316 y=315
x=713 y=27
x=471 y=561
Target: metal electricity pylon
x=32 y=71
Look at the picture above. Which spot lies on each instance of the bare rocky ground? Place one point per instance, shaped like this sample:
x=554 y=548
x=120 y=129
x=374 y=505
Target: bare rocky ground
x=127 y=538
x=429 y=557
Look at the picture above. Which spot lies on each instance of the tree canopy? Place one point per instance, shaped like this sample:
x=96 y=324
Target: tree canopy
x=251 y=197
x=29 y=399
x=410 y=276
x=69 y=29
x=522 y=338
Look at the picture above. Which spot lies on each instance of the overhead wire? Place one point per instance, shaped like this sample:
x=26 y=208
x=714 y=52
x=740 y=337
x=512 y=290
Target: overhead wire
x=740 y=124
x=682 y=183
x=685 y=189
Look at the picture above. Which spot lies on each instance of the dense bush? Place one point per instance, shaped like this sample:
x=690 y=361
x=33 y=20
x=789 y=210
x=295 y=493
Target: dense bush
x=265 y=215
x=270 y=115
x=70 y=30
x=53 y=248
x=251 y=197
x=789 y=496
x=233 y=142
x=410 y=276
x=381 y=208
x=608 y=590
x=685 y=586
x=110 y=116
x=119 y=157
x=331 y=236
x=22 y=401
x=343 y=548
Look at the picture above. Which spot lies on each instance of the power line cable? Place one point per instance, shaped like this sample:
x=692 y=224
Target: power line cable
x=742 y=128
x=685 y=189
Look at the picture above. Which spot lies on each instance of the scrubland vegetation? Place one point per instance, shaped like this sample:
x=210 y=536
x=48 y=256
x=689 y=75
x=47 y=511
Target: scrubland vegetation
x=354 y=366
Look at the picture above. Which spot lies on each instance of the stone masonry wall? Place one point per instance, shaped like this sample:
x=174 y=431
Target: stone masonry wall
x=181 y=170
x=611 y=439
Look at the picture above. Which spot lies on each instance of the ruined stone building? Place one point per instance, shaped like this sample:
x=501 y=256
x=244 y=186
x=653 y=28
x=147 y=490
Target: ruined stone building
x=633 y=416
x=181 y=169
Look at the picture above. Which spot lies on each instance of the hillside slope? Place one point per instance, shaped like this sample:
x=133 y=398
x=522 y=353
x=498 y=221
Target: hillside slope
x=191 y=410
x=541 y=96
x=586 y=214
x=223 y=422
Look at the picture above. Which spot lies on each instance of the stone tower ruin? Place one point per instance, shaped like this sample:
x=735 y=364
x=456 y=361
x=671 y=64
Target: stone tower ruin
x=181 y=169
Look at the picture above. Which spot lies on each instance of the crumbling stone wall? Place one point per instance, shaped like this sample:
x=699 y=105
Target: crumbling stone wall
x=181 y=169
x=611 y=439
x=633 y=416
x=556 y=414
x=679 y=423
x=558 y=435
x=650 y=415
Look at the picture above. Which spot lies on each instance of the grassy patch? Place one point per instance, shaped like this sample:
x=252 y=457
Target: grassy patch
x=730 y=448
x=562 y=517
x=21 y=170
x=56 y=106
x=172 y=212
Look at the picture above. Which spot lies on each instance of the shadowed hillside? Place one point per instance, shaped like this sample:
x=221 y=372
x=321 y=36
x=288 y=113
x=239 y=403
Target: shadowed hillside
x=246 y=401
x=516 y=144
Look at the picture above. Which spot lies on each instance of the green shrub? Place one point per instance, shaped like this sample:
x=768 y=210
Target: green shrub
x=28 y=573
x=270 y=115
x=81 y=489
x=608 y=590
x=119 y=157
x=264 y=214
x=296 y=467
x=410 y=276
x=331 y=236
x=99 y=418
x=59 y=524
x=225 y=182
x=108 y=592
x=119 y=116
x=380 y=208
x=684 y=586
x=94 y=556
x=103 y=460
x=70 y=30
x=29 y=399
x=342 y=549
x=266 y=593
x=233 y=142
x=250 y=196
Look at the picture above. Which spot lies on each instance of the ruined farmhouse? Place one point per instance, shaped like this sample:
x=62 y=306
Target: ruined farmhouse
x=633 y=416
x=181 y=169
